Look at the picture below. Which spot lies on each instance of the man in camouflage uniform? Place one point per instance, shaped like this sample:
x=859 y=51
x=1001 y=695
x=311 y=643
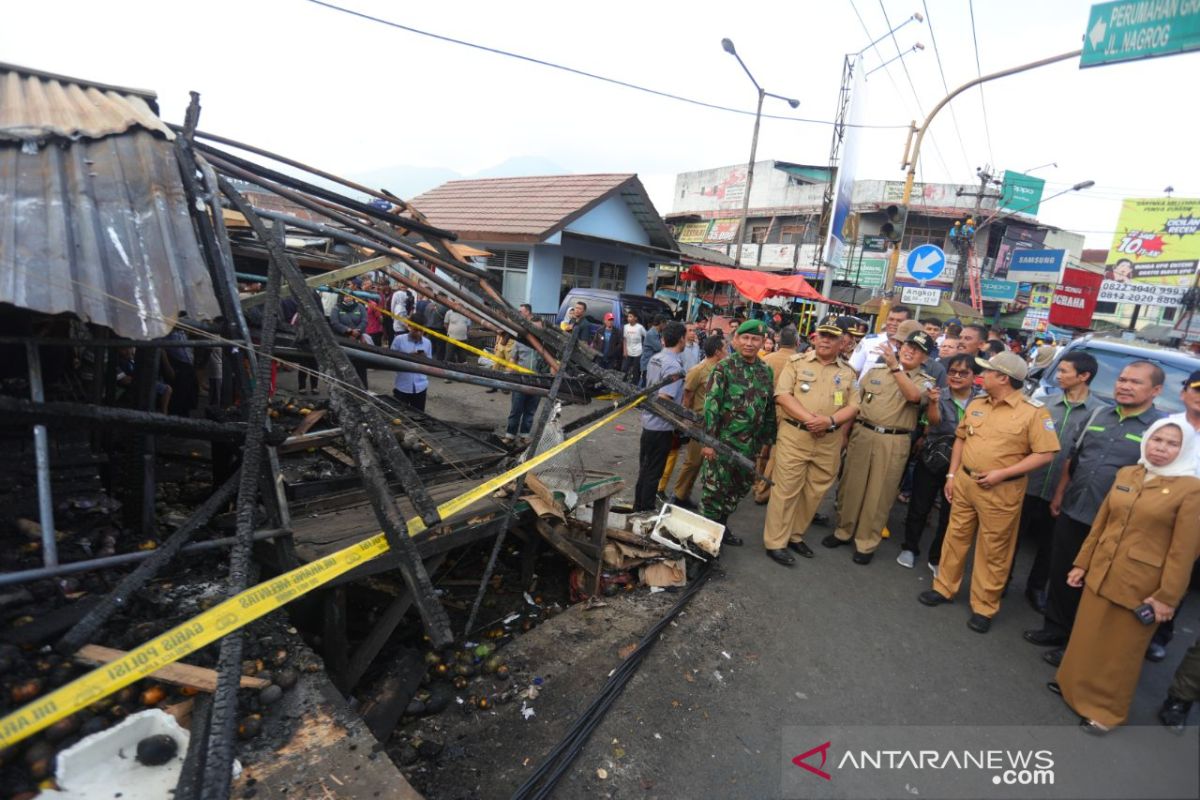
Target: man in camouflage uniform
x=739 y=411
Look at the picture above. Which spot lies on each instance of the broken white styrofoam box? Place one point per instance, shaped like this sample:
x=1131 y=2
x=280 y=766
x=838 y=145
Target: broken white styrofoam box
x=642 y=522
x=675 y=526
x=93 y=766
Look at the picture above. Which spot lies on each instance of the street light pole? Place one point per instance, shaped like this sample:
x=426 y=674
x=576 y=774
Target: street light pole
x=727 y=46
x=910 y=161
x=737 y=256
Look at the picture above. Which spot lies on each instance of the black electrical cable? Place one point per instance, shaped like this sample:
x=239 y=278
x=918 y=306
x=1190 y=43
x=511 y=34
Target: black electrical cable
x=547 y=774
x=573 y=70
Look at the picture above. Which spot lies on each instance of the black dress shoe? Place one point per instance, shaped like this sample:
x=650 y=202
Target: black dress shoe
x=862 y=558
x=1053 y=657
x=801 y=548
x=782 y=556
x=979 y=623
x=1044 y=638
x=731 y=540
x=1174 y=713
x=832 y=541
x=820 y=519
x=931 y=597
x=1054 y=687
x=1156 y=652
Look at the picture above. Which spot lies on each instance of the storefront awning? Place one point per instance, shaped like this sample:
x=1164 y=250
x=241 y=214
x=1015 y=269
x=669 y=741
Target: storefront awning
x=757 y=286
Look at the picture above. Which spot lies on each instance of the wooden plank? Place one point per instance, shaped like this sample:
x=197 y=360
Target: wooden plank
x=343 y=274
x=179 y=674
x=562 y=544
x=309 y=420
x=333 y=452
x=366 y=652
x=294 y=443
x=334 y=644
x=599 y=528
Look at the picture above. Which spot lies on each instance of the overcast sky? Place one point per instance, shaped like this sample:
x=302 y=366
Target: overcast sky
x=353 y=96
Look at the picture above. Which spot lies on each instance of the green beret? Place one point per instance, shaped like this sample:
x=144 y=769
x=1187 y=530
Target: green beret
x=755 y=326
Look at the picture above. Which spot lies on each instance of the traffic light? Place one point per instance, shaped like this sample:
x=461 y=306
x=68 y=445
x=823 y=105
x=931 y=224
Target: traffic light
x=893 y=227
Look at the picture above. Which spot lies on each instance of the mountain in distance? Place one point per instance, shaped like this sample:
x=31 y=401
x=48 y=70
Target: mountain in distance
x=406 y=180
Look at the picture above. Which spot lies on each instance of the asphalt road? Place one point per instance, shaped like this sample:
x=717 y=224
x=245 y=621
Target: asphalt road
x=825 y=642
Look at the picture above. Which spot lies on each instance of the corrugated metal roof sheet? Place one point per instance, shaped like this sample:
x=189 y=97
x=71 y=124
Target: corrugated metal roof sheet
x=97 y=226
x=37 y=105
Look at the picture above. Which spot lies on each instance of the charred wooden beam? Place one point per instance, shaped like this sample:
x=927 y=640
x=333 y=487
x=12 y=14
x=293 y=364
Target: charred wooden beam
x=365 y=427
x=80 y=415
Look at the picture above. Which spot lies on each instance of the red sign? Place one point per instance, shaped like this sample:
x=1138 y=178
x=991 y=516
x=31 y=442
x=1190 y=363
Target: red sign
x=1075 y=298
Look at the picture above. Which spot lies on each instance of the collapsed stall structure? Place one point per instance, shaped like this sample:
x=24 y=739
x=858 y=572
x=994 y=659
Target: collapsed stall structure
x=115 y=247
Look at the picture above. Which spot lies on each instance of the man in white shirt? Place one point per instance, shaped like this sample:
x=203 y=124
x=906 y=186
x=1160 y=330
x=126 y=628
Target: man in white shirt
x=634 y=333
x=868 y=348
x=402 y=305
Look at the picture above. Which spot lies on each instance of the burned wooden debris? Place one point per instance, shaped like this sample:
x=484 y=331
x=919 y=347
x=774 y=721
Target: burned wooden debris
x=129 y=516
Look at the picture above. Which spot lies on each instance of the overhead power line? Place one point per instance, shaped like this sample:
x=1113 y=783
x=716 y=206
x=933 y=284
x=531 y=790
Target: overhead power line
x=891 y=32
x=987 y=128
x=579 y=72
x=953 y=116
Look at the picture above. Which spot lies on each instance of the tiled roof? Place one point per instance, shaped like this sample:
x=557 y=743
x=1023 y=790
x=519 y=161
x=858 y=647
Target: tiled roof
x=528 y=209
x=37 y=105
x=1094 y=255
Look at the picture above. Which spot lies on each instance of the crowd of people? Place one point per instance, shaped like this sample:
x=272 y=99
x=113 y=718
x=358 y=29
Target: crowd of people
x=937 y=417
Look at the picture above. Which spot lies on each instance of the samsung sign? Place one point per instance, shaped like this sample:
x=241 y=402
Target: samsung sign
x=1036 y=266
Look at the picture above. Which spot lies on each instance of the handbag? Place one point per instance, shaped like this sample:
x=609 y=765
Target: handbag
x=935 y=453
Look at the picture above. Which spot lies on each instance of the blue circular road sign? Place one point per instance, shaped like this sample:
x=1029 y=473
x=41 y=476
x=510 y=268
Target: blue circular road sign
x=926 y=262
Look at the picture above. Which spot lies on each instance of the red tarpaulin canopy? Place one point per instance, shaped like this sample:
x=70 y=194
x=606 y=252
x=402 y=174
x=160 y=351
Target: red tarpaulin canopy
x=757 y=286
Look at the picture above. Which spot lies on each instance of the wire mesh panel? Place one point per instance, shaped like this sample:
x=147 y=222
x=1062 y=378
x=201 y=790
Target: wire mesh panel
x=564 y=471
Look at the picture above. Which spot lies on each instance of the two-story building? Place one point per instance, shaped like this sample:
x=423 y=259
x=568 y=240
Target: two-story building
x=783 y=220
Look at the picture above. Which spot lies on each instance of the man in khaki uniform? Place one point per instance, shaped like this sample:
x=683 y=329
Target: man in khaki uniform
x=814 y=395
x=1001 y=439
x=890 y=396
x=776 y=361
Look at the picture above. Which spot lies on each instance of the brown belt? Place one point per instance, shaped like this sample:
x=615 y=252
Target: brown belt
x=881 y=429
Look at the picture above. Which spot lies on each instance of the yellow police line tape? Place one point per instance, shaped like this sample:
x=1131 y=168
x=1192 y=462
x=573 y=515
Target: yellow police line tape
x=242 y=609
x=490 y=356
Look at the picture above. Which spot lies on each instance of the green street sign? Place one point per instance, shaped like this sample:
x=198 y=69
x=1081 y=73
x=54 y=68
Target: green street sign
x=1129 y=30
x=1021 y=193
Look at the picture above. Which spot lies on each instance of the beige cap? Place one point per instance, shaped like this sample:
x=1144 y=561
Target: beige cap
x=1008 y=363
x=907 y=328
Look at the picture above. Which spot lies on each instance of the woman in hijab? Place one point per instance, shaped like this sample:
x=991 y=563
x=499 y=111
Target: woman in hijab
x=1134 y=568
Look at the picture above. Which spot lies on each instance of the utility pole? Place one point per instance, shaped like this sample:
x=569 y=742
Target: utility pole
x=910 y=160
x=737 y=256
x=986 y=176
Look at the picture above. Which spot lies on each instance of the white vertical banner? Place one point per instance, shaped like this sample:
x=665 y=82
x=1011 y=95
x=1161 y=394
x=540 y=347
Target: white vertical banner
x=843 y=187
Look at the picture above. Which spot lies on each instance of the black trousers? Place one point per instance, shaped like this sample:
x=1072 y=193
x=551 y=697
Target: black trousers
x=1062 y=601
x=926 y=488
x=632 y=367
x=416 y=399
x=653 y=450
x=1038 y=524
